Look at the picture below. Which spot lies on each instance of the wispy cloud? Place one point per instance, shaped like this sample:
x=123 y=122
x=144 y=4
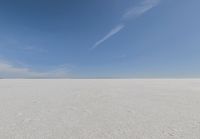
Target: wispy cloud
x=110 y=34
x=15 y=44
x=140 y=9
x=133 y=12
x=33 y=49
x=8 y=70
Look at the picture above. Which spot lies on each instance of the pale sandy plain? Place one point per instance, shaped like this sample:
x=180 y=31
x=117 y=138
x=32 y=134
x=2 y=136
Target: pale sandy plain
x=100 y=109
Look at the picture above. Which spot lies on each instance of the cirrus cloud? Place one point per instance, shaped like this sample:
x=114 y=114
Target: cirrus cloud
x=8 y=70
x=132 y=12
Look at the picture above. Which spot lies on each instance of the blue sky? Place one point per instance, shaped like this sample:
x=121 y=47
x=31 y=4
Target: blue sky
x=99 y=38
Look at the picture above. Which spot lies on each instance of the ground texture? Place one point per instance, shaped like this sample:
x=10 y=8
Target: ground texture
x=100 y=109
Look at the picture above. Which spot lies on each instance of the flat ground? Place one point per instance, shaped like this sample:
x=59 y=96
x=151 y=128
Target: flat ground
x=100 y=109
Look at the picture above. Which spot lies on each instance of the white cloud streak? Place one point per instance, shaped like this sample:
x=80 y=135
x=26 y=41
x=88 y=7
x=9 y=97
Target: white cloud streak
x=8 y=70
x=140 y=9
x=110 y=34
x=133 y=12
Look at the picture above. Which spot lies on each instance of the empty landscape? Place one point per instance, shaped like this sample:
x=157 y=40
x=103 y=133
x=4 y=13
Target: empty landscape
x=99 y=69
x=100 y=109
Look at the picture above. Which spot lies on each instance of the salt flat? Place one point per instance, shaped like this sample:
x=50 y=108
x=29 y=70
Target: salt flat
x=100 y=109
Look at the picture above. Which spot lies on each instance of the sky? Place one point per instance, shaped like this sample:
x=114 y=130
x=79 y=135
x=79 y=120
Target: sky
x=99 y=38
